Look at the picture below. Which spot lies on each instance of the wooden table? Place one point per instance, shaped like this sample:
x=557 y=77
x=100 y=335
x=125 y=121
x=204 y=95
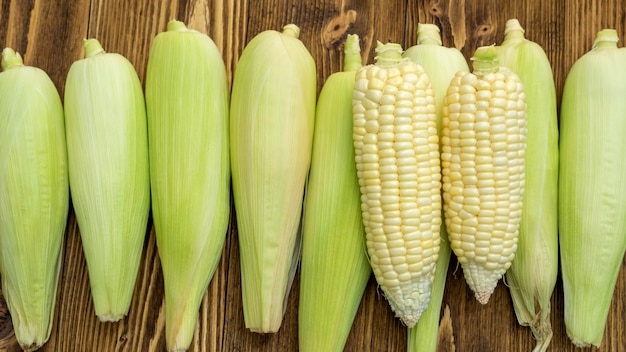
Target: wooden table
x=49 y=34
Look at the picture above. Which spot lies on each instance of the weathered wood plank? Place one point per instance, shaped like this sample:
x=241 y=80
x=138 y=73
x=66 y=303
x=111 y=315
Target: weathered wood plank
x=45 y=33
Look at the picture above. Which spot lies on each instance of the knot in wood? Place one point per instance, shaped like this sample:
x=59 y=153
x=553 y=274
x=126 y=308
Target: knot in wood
x=336 y=29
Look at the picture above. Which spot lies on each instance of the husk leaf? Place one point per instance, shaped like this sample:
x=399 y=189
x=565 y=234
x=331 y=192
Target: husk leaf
x=532 y=275
x=34 y=197
x=592 y=187
x=109 y=174
x=187 y=105
x=272 y=118
x=334 y=269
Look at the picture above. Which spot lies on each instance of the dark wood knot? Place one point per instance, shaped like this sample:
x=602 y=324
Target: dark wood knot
x=336 y=29
x=435 y=9
x=484 y=30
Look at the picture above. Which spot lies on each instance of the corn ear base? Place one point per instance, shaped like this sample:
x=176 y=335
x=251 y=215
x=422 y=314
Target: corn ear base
x=107 y=141
x=334 y=269
x=187 y=105
x=34 y=197
x=272 y=121
x=441 y=64
x=592 y=187
x=532 y=276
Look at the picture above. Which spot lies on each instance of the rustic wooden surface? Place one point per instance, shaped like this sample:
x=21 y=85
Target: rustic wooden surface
x=49 y=34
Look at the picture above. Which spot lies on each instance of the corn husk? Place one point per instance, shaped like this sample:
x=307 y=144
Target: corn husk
x=532 y=276
x=272 y=116
x=334 y=270
x=592 y=187
x=107 y=144
x=441 y=64
x=34 y=197
x=187 y=104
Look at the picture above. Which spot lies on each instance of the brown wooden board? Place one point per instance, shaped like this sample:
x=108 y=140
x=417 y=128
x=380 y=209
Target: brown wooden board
x=49 y=34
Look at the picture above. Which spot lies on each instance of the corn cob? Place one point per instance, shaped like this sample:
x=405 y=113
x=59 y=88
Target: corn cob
x=34 y=197
x=272 y=116
x=531 y=285
x=484 y=140
x=334 y=269
x=441 y=64
x=397 y=158
x=592 y=186
x=187 y=105
x=107 y=145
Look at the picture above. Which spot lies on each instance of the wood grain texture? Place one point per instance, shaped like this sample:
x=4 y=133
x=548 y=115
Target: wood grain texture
x=50 y=34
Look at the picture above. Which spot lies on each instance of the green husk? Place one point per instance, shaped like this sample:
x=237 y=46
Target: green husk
x=187 y=104
x=532 y=275
x=441 y=64
x=334 y=270
x=272 y=117
x=107 y=145
x=34 y=197
x=592 y=187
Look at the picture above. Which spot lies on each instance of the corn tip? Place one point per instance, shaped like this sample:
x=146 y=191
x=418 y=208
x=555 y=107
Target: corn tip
x=409 y=320
x=482 y=297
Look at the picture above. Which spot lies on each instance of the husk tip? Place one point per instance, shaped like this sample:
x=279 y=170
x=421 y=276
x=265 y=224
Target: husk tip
x=176 y=26
x=92 y=47
x=428 y=33
x=292 y=30
x=10 y=58
x=607 y=35
x=30 y=348
x=513 y=25
x=110 y=318
x=578 y=342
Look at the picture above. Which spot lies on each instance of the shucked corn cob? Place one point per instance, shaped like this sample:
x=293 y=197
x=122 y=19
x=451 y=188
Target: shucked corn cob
x=532 y=276
x=441 y=64
x=272 y=116
x=484 y=142
x=592 y=186
x=34 y=197
x=107 y=141
x=187 y=104
x=397 y=158
x=334 y=269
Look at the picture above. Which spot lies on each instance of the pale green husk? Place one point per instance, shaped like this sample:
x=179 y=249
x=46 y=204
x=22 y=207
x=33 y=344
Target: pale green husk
x=34 y=197
x=272 y=117
x=532 y=275
x=334 y=269
x=441 y=64
x=187 y=105
x=592 y=187
x=105 y=120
